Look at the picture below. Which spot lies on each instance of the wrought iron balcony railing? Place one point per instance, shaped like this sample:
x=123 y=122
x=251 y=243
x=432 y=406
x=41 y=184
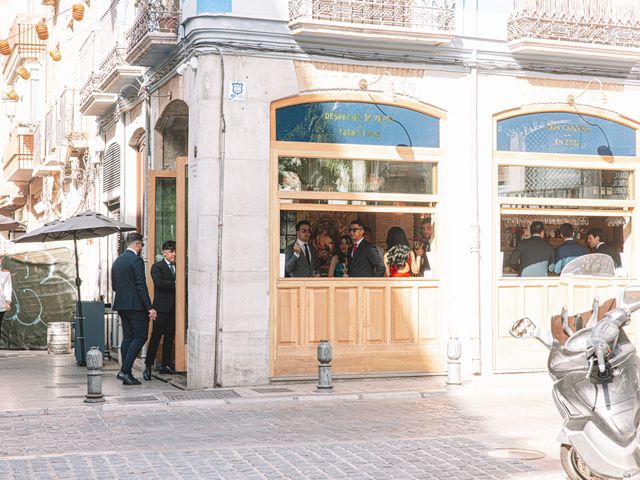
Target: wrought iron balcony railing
x=594 y=22
x=115 y=57
x=161 y=16
x=430 y=15
x=90 y=86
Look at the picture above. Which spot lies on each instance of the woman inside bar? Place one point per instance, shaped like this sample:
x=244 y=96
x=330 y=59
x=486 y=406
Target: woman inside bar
x=339 y=266
x=400 y=261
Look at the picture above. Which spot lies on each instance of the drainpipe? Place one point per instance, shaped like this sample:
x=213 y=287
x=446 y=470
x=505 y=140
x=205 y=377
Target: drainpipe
x=221 y=153
x=476 y=330
x=147 y=164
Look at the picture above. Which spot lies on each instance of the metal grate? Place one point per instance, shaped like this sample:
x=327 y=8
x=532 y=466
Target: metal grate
x=206 y=395
x=142 y=398
x=111 y=169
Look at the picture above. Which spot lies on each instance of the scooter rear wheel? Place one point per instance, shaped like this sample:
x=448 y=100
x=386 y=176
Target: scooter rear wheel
x=574 y=467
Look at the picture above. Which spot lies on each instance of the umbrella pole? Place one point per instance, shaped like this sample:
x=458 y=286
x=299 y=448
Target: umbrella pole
x=80 y=336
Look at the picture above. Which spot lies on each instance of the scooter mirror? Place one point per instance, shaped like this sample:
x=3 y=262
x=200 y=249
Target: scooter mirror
x=523 y=328
x=630 y=296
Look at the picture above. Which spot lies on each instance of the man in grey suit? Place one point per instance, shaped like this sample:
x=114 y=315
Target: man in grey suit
x=301 y=258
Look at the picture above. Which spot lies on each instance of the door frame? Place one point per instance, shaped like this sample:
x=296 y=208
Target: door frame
x=181 y=245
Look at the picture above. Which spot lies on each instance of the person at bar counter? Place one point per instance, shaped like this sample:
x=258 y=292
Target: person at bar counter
x=595 y=238
x=339 y=266
x=400 y=261
x=300 y=257
x=533 y=257
x=364 y=260
x=368 y=236
x=569 y=249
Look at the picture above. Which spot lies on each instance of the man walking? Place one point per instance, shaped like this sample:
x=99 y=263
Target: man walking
x=132 y=303
x=364 y=260
x=163 y=274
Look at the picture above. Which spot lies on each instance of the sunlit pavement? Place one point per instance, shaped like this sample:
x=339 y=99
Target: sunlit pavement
x=409 y=428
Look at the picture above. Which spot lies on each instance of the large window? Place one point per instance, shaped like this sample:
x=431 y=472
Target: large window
x=564 y=167
x=342 y=161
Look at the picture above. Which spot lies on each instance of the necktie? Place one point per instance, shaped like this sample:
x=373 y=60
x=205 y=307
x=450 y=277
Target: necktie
x=173 y=269
x=307 y=254
x=355 y=249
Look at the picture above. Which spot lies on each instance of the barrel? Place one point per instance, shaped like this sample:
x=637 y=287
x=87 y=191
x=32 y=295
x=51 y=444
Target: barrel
x=58 y=337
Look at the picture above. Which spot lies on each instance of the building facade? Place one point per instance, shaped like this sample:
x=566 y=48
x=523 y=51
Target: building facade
x=459 y=122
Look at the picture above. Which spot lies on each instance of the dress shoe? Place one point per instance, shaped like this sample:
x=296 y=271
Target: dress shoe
x=120 y=376
x=167 y=370
x=128 y=379
x=147 y=373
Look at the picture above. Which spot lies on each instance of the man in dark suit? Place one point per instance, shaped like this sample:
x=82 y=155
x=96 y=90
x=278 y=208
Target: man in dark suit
x=164 y=301
x=364 y=260
x=300 y=257
x=132 y=303
x=533 y=257
x=595 y=238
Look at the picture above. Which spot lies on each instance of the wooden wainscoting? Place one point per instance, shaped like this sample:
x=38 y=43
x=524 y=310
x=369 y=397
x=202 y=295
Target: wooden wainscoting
x=536 y=298
x=374 y=326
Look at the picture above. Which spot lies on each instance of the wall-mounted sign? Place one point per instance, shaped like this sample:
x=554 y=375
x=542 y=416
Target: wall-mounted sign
x=237 y=91
x=565 y=132
x=357 y=123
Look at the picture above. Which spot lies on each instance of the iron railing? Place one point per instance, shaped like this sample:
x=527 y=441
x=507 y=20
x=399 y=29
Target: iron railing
x=595 y=21
x=161 y=16
x=112 y=60
x=90 y=86
x=430 y=15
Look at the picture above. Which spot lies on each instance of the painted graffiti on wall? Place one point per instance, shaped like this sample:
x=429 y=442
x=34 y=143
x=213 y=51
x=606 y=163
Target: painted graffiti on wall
x=43 y=292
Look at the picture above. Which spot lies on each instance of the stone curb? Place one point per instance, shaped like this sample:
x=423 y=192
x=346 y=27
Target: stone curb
x=312 y=397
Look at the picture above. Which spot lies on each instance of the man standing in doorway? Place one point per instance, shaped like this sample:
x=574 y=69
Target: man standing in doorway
x=300 y=257
x=534 y=256
x=595 y=238
x=364 y=260
x=132 y=303
x=163 y=274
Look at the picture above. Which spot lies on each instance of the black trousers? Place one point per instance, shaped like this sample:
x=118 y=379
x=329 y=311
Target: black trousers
x=135 y=329
x=1 y=317
x=165 y=325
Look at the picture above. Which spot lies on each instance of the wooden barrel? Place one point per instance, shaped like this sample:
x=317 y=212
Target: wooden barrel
x=58 y=337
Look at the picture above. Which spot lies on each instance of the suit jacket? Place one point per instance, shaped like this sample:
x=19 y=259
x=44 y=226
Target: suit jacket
x=164 y=287
x=366 y=262
x=298 y=266
x=566 y=252
x=612 y=252
x=533 y=257
x=129 y=283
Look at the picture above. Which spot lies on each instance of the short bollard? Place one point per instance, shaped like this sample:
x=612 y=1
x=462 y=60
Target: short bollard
x=454 y=352
x=324 y=367
x=94 y=376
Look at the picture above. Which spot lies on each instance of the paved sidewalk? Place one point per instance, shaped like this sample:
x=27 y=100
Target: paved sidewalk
x=401 y=428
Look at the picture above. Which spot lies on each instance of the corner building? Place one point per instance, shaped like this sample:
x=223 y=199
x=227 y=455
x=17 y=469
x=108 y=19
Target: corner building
x=459 y=122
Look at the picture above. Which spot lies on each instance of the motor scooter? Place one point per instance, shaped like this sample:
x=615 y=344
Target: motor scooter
x=596 y=375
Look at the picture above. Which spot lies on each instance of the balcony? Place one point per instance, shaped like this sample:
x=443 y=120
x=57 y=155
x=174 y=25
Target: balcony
x=42 y=166
x=18 y=155
x=154 y=33
x=25 y=45
x=553 y=31
x=423 y=22
x=115 y=73
x=93 y=102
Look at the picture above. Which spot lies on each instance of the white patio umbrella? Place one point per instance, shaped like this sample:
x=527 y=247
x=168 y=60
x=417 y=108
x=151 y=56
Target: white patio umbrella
x=79 y=227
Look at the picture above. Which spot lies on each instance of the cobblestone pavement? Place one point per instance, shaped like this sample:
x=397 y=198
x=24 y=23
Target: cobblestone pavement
x=436 y=437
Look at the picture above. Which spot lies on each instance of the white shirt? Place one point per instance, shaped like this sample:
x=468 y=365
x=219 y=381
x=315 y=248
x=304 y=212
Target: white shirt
x=5 y=290
x=302 y=244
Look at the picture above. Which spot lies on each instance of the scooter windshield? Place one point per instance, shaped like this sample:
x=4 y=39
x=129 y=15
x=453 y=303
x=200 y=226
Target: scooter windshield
x=594 y=264
x=579 y=281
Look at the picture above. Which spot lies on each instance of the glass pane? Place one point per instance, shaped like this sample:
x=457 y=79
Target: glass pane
x=165 y=213
x=519 y=181
x=516 y=228
x=342 y=175
x=330 y=229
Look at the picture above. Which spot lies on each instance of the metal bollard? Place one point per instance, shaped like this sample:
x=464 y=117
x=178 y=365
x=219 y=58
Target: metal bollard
x=454 y=352
x=324 y=368
x=94 y=376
